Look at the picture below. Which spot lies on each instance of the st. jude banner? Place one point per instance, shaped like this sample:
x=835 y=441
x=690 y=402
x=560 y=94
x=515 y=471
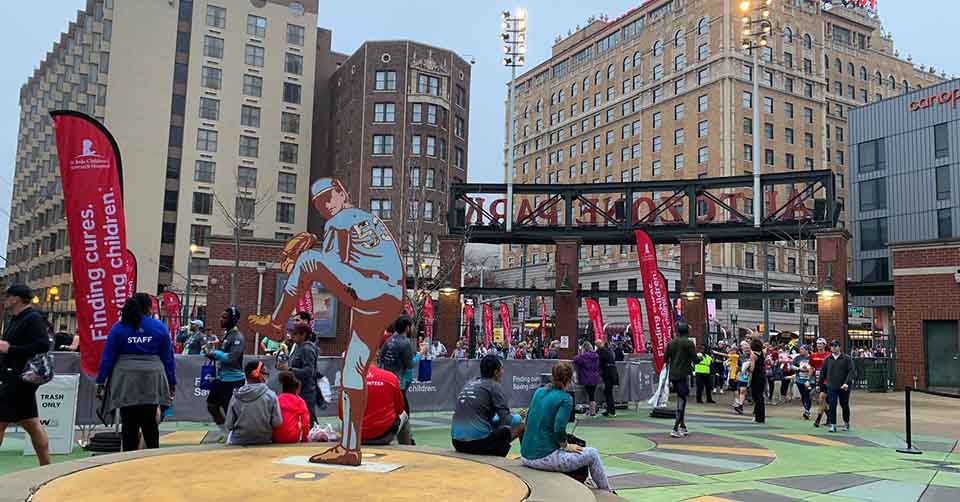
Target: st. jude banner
x=90 y=172
x=487 y=325
x=655 y=296
x=596 y=318
x=636 y=325
x=505 y=322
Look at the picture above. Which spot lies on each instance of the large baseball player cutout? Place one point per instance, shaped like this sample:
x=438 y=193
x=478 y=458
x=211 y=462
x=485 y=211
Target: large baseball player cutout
x=359 y=262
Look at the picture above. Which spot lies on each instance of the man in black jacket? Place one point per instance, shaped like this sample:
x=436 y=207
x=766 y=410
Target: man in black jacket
x=25 y=337
x=837 y=375
x=608 y=372
x=303 y=365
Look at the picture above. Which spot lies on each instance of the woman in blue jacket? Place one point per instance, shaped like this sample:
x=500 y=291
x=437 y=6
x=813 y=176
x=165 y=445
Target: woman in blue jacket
x=137 y=372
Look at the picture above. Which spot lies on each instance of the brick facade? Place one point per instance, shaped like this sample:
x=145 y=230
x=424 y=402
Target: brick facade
x=926 y=290
x=692 y=257
x=832 y=259
x=254 y=253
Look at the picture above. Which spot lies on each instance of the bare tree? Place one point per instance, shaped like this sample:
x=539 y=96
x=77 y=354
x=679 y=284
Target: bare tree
x=249 y=203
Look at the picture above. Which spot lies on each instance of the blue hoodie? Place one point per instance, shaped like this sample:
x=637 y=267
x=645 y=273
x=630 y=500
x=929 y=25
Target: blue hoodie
x=151 y=339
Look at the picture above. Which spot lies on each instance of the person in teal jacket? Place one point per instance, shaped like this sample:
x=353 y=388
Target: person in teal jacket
x=230 y=376
x=544 y=445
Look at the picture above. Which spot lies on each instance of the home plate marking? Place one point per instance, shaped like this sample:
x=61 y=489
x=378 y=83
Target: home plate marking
x=373 y=467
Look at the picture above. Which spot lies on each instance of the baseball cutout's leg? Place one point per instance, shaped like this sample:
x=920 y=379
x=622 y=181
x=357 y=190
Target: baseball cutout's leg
x=302 y=276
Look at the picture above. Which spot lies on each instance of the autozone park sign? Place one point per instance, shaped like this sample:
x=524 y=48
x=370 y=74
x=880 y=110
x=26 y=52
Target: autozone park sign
x=646 y=210
x=951 y=98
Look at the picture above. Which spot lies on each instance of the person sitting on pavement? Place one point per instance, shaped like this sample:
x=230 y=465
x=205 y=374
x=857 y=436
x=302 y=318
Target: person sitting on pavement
x=384 y=419
x=482 y=422
x=293 y=409
x=544 y=446
x=254 y=411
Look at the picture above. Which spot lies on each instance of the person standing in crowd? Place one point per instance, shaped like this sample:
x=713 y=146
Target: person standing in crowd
x=704 y=374
x=24 y=338
x=254 y=412
x=230 y=374
x=459 y=352
x=732 y=365
x=718 y=357
x=587 y=364
x=837 y=375
x=64 y=341
x=397 y=356
x=191 y=340
x=757 y=380
x=303 y=365
x=293 y=409
x=437 y=349
x=770 y=360
x=482 y=422
x=553 y=350
x=608 y=372
x=137 y=372
x=384 y=419
x=545 y=445
x=743 y=375
x=803 y=378
x=681 y=355
x=816 y=362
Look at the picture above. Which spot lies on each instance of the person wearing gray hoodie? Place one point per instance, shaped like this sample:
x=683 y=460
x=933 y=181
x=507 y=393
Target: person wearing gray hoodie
x=255 y=411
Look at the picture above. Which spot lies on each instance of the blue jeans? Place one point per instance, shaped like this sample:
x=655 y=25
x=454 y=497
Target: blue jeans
x=843 y=396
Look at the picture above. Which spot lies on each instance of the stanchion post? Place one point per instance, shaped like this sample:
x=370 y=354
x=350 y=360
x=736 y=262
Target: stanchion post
x=909 y=449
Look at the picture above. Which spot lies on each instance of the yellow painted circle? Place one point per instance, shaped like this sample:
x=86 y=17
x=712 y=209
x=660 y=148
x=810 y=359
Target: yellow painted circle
x=305 y=475
x=251 y=473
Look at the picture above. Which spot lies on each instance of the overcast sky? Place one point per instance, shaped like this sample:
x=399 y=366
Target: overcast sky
x=469 y=28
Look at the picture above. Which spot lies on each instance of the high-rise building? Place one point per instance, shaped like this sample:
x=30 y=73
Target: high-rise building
x=665 y=92
x=210 y=102
x=398 y=138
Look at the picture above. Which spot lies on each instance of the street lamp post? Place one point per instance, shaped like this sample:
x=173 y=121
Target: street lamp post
x=186 y=305
x=756 y=34
x=733 y=321
x=514 y=37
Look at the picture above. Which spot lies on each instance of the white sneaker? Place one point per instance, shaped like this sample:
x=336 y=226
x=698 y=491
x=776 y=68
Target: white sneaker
x=845 y=428
x=676 y=434
x=684 y=431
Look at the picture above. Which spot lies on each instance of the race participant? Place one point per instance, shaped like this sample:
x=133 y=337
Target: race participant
x=816 y=362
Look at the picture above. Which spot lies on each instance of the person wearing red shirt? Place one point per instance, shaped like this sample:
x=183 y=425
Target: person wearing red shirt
x=816 y=362
x=296 y=418
x=384 y=418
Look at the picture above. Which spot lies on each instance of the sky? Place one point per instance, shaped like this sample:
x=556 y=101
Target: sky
x=470 y=28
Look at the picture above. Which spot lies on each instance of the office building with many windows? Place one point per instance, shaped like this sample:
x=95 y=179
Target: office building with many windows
x=211 y=103
x=664 y=92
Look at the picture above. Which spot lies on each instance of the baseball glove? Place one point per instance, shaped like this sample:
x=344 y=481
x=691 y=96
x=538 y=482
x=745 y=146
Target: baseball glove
x=292 y=249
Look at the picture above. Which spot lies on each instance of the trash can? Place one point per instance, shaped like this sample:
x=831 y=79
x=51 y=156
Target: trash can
x=876 y=378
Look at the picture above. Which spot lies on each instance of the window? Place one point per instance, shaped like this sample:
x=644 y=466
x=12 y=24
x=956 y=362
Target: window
x=944 y=223
x=703 y=155
x=428 y=210
x=170 y=200
x=788 y=135
x=429 y=179
x=808 y=89
x=768 y=130
x=252 y=86
x=768 y=105
x=656 y=144
x=428 y=84
x=213 y=47
x=287 y=183
x=293 y=63
x=384 y=112
x=791 y=265
x=703 y=128
x=216 y=16
x=431 y=146
x=245 y=208
x=943 y=183
x=808 y=115
x=808 y=163
x=432 y=114
x=657 y=71
x=458 y=126
x=748 y=260
x=286 y=212
x=249 y=146
x=788 y=110
x=206 y=140
x=210 y=109
x=204 y=171
x=679 y=62
x=748 y=153
x=677 y=137
x=415 y=144
x=202 y=203
x=385 y=80
x=873 y=194
x=657 y=48
x=289 y=152
x=383 y=144
x=790 y=161
x=290 y=123
x=256 y=26
x=875 y=270
x=703 y=103
x=746 y=100
x=678 y=111
x=249 y=116
x=768 y=156
x=211 y=78
x=253 y=55
x=678 y=162
x=459 y=157
x=702 y=76
x=748 y=126
x=873 y=234
x=427 y=246
x=291 y=93
x=941 y=142
x=246 y=177
x=200 y=235
x=295 y=34
x=872 y=156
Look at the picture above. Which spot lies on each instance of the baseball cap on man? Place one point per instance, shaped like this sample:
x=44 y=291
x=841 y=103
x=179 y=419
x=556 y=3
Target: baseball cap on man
x=197 y=322
x=835 y=343
x=20 y=291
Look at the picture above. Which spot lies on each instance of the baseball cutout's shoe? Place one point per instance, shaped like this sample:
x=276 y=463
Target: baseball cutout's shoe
x=338 y=455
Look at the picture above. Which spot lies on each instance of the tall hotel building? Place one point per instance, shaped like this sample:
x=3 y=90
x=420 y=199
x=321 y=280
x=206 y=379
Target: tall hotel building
x=211 y=103
x=664 y=92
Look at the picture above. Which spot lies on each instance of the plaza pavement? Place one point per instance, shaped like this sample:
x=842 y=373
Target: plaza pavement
x=727 y=457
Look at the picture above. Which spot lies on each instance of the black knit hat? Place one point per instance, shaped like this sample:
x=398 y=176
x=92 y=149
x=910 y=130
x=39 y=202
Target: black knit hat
x=20 y=291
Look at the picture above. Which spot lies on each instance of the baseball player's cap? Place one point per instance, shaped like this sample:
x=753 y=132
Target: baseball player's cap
x=321 y=185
